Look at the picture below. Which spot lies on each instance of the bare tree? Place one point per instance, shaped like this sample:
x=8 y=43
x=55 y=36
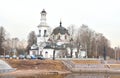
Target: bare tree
x=84 y=38
x=32 y=39
x=90 y=41
x=71 y=31
x=2 y=39
x=103 y=42
x=22 y=47
x=7 y=44
x=110 y=52
x=77 y=42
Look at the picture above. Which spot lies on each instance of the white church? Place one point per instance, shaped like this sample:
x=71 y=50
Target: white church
x=47 y=42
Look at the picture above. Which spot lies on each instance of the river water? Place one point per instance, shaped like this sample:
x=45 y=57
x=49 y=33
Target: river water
x=75 y=75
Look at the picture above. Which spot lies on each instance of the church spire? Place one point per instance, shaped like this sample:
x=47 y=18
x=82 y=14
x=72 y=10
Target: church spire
x=43 y=15
x=60 y=23
x=43 y=11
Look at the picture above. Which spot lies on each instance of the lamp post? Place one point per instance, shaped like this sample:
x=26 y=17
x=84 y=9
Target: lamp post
x=71 y=47
x=104 y=54
x=118 y=53
x=115 y=53
x=96 y=49
x=54 y=54
x=4 y=51
x=54 y=47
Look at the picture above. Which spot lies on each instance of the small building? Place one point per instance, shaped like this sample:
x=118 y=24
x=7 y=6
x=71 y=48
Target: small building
x=33 y=50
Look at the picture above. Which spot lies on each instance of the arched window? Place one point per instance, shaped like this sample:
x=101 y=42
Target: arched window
x=65 y=37
x=59 y=37
x=39 y=33
x=45 y=33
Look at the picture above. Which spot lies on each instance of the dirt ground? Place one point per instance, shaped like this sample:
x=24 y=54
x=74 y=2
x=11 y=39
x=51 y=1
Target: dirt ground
x=37 y=64
x=30 y=67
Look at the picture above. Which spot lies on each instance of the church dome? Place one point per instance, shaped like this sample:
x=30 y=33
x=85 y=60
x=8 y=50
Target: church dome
x=60 y=30
x=43 y=11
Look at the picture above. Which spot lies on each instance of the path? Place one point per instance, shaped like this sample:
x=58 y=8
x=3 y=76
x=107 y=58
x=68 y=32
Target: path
x=84 y=67
x=4 y=67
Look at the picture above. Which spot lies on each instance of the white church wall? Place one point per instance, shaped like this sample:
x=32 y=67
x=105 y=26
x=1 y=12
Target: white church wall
x=62 y=37
x=33 y=52
x=42 y=30
x=81 y=54
x=74 y=51
x=47 y=53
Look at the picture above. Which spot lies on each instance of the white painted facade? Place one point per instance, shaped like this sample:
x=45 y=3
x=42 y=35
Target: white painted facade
x=43 y=29
x=47 y=53
x=59 y=36
x=33 y=52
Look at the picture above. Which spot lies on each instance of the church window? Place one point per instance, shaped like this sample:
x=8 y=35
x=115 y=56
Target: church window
x=58 y=37
x=45 y=33
x=39 y=33
x=65 y=37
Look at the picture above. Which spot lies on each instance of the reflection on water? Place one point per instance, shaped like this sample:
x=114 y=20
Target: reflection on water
x=75 y=75
x=86 y=76
x=36 y=76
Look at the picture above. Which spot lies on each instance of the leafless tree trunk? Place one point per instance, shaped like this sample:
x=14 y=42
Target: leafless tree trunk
x=2 y=39
x=32 y=39
x=71 y=31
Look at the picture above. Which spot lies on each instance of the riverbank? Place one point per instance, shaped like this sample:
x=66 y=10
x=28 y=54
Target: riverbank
x=33 y=72
x=26 y=64
x=32 y=67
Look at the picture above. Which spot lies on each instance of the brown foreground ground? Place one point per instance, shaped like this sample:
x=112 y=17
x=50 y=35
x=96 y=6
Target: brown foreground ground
x=30 y=67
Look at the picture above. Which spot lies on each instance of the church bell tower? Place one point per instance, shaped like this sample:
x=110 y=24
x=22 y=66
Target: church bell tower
x=42 y=29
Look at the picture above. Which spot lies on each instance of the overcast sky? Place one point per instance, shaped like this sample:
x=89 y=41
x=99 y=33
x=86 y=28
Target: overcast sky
x=19 y=17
